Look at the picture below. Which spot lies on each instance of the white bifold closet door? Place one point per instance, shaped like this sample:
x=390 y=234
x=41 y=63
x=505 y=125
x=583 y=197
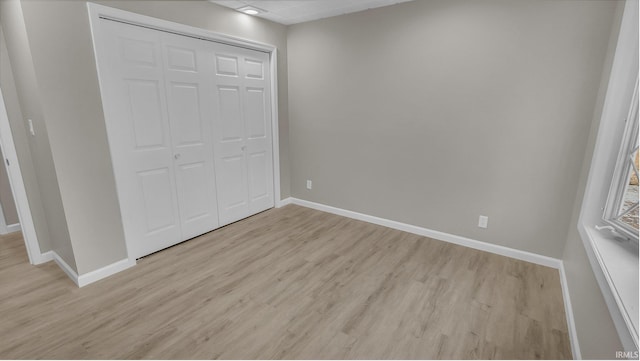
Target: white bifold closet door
x=166 y=121
x=244 y=170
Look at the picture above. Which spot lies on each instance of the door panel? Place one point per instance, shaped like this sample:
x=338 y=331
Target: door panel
x=230 y=116
x=256 y=117
x=138 y=51
x=190 y=89
x=254 y=69
x=181 y=59
x=231 y=171
x=139 y=136
x=146 y=113
x=242 y=143
x=229 y=144
x=232 y=176
x=258 y=134
x=186 y=110
x=155 y=186
x=194 y=178
x=257 y=176
x=226 y=65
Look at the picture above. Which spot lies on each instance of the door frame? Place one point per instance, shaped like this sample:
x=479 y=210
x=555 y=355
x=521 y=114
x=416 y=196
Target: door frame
x=3 y=221
x=6 y=228
x=98 y=12
x=18 y=190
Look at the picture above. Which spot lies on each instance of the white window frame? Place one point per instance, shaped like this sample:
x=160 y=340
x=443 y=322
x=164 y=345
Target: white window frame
x=614 y=260
x=621 y=175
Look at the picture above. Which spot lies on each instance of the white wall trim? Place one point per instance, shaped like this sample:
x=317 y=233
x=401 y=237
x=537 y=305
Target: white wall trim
x=442 y=236
x=105 y=272
x=46 y=257
x=97 y=11
x=275 y=126
x=93 y=276
x=3 y=222
x=13 y=228
x=568 y=310
x=284 y=202
x=65 y=267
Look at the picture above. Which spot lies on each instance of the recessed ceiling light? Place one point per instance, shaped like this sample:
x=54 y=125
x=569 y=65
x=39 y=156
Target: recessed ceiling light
x=250 y=10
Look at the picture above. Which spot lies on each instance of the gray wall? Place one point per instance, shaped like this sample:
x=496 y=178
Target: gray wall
x=434 y=112
x=64 y=65
x=597 y=334
x=40 y=173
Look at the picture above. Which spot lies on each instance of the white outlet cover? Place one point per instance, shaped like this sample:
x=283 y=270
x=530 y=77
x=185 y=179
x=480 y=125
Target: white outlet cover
x=31 y=130
x=309 y=184
x=483 y=221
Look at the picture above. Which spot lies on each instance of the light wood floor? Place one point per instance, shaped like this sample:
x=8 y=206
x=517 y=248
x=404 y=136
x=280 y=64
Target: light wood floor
x=288 y=283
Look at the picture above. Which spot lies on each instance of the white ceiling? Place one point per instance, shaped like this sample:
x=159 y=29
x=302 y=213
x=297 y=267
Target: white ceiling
x=289 y=12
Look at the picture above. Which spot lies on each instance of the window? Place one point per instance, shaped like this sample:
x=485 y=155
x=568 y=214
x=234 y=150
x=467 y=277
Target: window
x=609 y=201
x=621 y=210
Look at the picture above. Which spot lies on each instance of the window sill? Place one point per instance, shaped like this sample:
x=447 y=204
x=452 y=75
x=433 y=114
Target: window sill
x=615 y=265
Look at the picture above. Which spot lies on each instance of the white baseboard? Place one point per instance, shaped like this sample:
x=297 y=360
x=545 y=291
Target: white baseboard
x=284 y=202
x=43 y=258
x=4 y=229
x=568 y=310
x=66 y=268
x=446 y=237
x=105 y=271
x=13 y=228
x=92 y=276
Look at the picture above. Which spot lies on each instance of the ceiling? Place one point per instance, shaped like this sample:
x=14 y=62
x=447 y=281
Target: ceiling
x=289 y=12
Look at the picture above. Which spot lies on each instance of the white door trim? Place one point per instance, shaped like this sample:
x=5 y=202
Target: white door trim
x=3 y=222
x=18 y=190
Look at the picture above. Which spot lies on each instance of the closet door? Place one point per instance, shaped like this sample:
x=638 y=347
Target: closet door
x=189 y=127
x=140 y=137
x=159 y=119
x=242 y=133
x=189 y=87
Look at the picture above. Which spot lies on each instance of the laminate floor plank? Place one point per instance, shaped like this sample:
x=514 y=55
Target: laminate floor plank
x=288 y=283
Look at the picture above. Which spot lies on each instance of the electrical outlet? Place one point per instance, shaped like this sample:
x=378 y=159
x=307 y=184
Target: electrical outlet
x=31 y=130
x=483 y=222
x=309 y=184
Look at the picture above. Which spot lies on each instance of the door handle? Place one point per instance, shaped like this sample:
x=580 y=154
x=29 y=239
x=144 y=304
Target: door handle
x=244 y=147
x=176 y=156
